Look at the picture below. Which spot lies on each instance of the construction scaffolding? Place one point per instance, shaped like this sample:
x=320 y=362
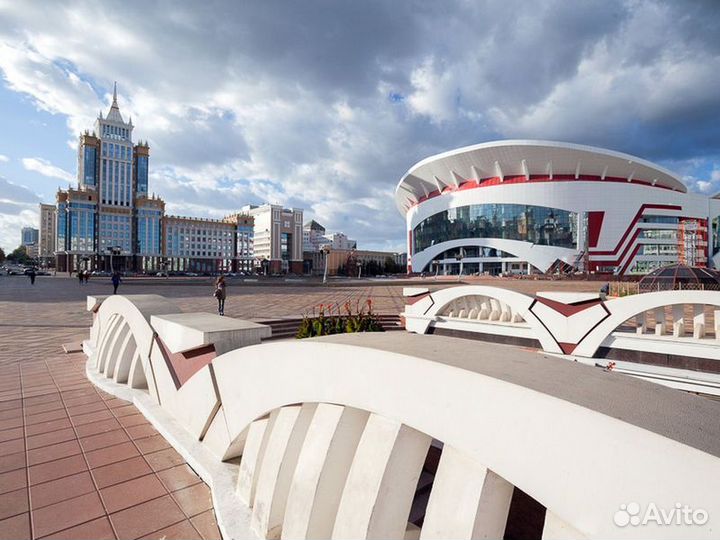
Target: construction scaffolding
x=693 y=242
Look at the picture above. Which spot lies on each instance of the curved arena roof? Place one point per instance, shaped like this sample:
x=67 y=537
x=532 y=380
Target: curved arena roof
x=525 y=160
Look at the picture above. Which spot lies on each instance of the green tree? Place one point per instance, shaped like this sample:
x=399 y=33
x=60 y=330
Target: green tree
x=2 y=256
x=19 y=256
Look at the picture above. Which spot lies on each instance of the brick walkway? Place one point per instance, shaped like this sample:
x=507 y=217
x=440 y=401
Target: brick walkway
x=76 y=462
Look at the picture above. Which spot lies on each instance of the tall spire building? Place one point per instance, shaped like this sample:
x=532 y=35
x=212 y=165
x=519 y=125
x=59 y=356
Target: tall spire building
x=110 y=222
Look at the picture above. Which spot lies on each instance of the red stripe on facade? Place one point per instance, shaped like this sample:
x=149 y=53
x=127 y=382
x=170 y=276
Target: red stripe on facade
x=595 y=220
x=634 y=222
x=534 y=178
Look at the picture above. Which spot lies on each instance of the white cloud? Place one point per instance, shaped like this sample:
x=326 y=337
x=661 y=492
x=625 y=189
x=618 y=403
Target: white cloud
x=4 y=159
x=326 y=106
x=46 y=168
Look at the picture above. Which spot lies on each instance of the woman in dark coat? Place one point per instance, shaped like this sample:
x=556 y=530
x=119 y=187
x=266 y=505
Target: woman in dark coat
x=220 y=293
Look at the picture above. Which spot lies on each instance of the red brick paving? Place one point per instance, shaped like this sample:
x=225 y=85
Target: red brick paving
x=79 y=463
x=76 y=462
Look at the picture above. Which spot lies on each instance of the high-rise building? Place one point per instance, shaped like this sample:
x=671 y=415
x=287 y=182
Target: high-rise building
x=46 y=240
x=110 y=221
x=29 y=235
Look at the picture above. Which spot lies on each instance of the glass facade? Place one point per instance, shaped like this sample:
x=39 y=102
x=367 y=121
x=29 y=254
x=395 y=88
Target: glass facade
x=142 y=175
x=61 y=226
x=148 y=233
x=285 y=243
x=715 y=235
x=89 y=157
x=81 y=220
x=115 y=231
x=535 y=224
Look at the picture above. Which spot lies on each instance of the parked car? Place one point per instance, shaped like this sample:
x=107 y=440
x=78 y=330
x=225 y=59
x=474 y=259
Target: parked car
x=191 y=274
x=100 y=273
x=161 y=274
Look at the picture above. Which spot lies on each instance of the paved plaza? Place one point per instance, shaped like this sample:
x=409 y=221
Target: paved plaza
x=76 y=462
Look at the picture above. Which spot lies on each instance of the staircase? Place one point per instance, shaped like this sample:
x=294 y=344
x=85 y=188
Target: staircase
x=287 y=328
x=560 y=267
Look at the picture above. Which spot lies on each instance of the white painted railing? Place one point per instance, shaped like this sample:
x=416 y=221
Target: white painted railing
x=332 y=434
x=671 y=322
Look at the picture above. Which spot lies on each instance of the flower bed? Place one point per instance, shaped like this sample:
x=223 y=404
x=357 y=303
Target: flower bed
x=339 y=321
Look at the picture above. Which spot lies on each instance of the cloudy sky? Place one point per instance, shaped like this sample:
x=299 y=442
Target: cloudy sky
x=325 y=104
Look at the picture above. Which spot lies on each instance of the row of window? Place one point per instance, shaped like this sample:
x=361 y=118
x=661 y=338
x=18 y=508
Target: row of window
x=115 y=131
x=535 y=224
x=117 y=182
x=117 y=151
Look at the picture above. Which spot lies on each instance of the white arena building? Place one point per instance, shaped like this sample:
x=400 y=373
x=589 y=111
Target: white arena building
x=521 y=206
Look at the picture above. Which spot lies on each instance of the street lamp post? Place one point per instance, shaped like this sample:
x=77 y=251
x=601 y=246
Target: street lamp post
x=460 y=257
x=326 y=251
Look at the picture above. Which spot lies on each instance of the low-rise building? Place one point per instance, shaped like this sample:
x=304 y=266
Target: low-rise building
x=353 y=262
x=208 y=245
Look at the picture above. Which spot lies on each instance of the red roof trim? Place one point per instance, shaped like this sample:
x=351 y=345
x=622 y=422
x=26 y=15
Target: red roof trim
x=534 y=178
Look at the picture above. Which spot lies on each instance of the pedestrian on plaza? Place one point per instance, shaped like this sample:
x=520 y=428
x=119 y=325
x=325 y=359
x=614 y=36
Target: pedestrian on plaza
x=86 y=276
x=604 y=291
x=115 y=281
x=80 y=277
x=31 y=273
x=220 y=293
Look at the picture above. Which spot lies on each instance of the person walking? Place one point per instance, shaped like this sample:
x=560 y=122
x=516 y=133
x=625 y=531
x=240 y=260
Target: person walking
x=220 y=293
x=80 y=277
x=115 y=281
x=87 y=276
x=31 y=273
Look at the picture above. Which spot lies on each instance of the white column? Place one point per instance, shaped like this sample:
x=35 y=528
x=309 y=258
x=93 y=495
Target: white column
x=484 y=310
x=278 y=466
x=119 y=343
x=467 y=500
x=119 y=371
x=494 y=309
x=557 y=529
x=322 y=469
x=660 y=321
x=641 y=323
x=678 y=311
x=107 y=341
x=252 y=457
x=698 y=321
x=382 y=480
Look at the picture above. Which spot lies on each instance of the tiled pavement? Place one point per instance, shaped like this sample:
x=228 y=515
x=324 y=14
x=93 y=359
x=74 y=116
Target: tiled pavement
x=76 y=462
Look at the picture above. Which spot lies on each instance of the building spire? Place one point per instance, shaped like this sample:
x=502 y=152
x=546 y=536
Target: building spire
x=113 y=114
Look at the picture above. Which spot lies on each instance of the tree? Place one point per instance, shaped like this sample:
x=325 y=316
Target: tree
x=19 y=256
x=2 y=256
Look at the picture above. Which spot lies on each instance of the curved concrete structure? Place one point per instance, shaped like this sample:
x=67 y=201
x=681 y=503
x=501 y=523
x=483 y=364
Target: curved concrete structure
x=522 y=205
x=334 y=434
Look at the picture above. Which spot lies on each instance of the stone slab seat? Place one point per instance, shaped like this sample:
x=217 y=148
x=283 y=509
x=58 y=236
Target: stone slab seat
x=184 y=331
